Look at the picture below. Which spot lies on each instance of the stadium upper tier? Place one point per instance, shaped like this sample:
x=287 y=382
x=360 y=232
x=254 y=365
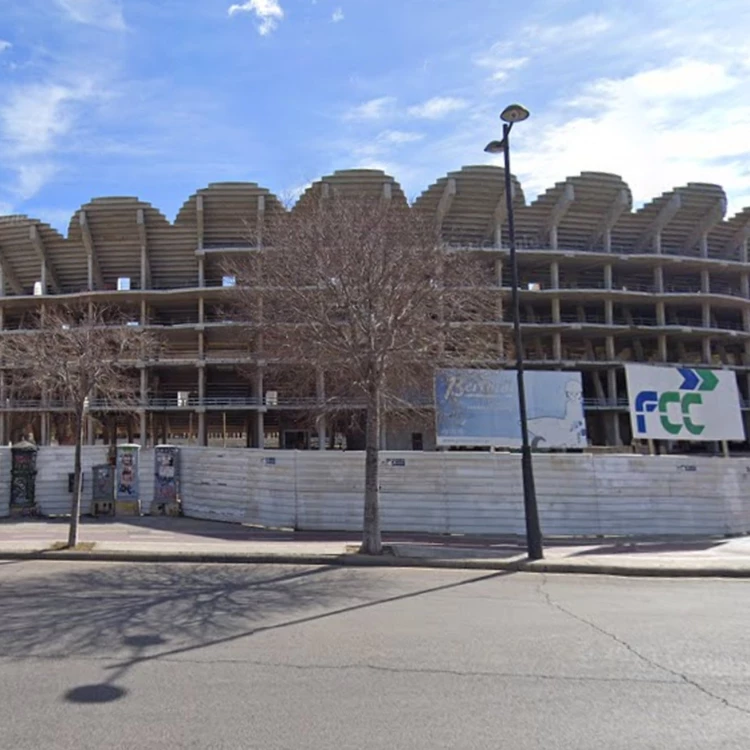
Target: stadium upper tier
x=123 y=237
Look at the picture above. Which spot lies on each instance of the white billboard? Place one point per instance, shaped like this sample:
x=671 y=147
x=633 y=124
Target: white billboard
x=480 y=408
x=684 y=403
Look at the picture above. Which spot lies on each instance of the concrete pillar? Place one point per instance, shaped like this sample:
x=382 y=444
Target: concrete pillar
x=321 y=420
x=201 y=310
x=553 y=237
x=659 y=279
x=260 y=428
x=661 y=314
x=745 y=282
x=706 y=317
x=704 y=245
x=609 y=312
x=90 y=430
x=554 y=275
x=608 y=276
x=201 y=271
x=44 y=437
x=707 y=350
x=744 y=251
x=657 y=243
x=663 y=347
x=557 y=346
x=142 y=428
x=705 y=281
x=614 y=416
x=556 y=310
x=608 y=240
x=610 y=347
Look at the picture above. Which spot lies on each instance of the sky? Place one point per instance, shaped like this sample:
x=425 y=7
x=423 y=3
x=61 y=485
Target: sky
x=157 y=98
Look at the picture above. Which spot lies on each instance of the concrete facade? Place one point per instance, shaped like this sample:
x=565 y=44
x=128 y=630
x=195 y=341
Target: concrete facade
x=601 y=285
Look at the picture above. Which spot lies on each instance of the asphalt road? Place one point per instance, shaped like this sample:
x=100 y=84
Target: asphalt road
x=189 y=656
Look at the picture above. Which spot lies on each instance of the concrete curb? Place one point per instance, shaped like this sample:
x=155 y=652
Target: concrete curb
x=386 y=561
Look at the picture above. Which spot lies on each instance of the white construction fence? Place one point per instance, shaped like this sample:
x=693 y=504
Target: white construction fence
x=444 y=493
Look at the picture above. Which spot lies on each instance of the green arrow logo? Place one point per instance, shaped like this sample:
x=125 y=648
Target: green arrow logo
x=709 y=380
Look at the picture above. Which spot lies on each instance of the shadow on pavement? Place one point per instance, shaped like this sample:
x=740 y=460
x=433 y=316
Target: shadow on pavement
x=633 y=548
x=125 y=615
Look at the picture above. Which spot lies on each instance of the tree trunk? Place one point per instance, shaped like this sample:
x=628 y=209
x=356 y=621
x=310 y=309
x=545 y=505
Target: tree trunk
x=372 y=543
x=75 y=511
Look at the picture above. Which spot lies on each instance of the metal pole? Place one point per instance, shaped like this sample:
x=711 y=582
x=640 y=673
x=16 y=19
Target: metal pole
x=533 y=530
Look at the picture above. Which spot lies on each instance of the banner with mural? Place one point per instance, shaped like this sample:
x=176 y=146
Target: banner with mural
x=480 y=408
x=683 y=403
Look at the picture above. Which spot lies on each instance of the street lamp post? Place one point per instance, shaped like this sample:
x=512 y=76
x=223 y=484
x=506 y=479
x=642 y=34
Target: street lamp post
x=517 y=113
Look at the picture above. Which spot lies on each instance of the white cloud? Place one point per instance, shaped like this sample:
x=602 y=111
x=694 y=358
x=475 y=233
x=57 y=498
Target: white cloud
x=585 y=27
x=498 y=62
x=658 y=129
x=338 y=15
x=437 y=107
x=374 y=109
x=268 y=12
x=4 y=46
x=106 y=14
x=33 y=177
x=33 y=116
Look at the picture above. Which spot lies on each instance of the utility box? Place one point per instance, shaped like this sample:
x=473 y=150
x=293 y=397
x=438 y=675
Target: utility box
x=23 y=479
x=127 y=487
x=103 y=490
x=167 y=501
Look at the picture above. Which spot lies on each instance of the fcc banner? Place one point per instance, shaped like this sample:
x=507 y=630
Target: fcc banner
x=480 y=408
x=684 y=403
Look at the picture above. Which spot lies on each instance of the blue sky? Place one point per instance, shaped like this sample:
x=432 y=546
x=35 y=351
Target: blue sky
x=156 y=99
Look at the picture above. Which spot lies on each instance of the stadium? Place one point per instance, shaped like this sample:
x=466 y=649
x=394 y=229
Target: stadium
x=601 y=285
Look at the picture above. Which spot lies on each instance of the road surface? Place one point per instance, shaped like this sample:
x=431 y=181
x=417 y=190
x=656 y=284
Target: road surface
x=99 y=655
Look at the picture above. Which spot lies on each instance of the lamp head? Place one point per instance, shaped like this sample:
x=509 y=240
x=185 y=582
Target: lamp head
x=495 y=147
x=514 y=113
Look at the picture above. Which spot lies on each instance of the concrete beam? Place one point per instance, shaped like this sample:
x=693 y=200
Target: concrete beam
x=145 y=257
x=95 y=278
x=559 y=210
x=9 y=277
x=667 y=213
x=738 y=238
x=200 y=224
x=499 y=215
x=706 y=223
x=446 y=200
x=49 y=271
x=614 y=212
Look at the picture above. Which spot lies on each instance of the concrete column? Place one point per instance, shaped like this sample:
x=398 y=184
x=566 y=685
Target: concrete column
x=90 y=431
x=706 y=318
x=608 y=240
x=201 y=310
x=704 y=245
x=610 y=348
x=201 y=271
x=260 y=429
x=556 y=310
x=662 y=347
x=609 y=312
x=707 y=350
x=608 y=276
x=661 y=314
x=614 y=417
x=557 y=346
x=44 y=436
x=554 y=274
x=659 y=279
x=320 y=423
x=705 y=281
x=142 y=428
x=745 y=282
x=553 y=237
x=744 y=251
x=657 y=243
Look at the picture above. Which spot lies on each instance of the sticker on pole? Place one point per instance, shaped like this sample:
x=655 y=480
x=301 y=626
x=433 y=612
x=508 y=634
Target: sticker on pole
x=684 y=403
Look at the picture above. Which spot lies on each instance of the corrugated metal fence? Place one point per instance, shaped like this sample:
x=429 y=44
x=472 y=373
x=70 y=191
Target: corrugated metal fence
x=436 y=492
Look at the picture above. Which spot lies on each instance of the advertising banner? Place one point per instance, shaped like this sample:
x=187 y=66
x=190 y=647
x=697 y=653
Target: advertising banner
x=480 y=408
x=683 y=403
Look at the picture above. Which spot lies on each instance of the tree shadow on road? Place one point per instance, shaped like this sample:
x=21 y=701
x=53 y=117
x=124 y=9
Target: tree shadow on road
x=125 y=614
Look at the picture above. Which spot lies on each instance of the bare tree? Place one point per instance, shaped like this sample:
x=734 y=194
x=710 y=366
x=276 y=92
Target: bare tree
x=72 y=355
x=362 y=291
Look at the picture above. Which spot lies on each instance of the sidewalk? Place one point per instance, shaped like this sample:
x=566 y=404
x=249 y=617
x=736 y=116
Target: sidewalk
x=187 y=540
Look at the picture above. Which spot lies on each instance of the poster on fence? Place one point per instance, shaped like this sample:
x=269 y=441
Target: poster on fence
x=683 y=403
x=480 y=408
